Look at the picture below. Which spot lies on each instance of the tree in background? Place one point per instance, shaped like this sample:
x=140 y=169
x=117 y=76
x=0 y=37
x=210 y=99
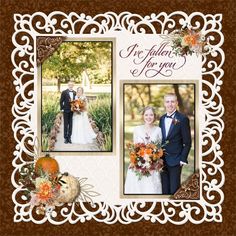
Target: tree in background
x=72 y=59
x=138 y=96
x=179 y=98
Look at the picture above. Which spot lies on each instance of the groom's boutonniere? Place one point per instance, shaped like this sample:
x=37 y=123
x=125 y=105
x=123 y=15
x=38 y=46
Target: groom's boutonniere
x=175 y=121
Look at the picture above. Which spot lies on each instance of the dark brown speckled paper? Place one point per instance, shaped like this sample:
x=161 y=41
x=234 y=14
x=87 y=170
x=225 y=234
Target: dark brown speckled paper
x=228 y=92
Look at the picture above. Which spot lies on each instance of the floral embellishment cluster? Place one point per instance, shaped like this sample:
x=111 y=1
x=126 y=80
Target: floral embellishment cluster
x=45 y=187
x=187 y=41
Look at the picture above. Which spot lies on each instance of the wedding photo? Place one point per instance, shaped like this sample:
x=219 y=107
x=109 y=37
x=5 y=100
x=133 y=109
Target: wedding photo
x=158 y=137
x=76 y=98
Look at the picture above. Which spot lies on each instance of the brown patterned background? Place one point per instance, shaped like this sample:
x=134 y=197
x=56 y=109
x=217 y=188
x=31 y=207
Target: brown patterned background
x=7 y=144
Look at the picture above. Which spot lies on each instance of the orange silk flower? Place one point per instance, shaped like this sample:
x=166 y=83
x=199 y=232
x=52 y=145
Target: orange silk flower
x=45 y=191
x=191 y=40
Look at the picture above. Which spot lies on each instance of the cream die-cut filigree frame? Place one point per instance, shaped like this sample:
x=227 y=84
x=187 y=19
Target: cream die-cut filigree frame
x=208 y=208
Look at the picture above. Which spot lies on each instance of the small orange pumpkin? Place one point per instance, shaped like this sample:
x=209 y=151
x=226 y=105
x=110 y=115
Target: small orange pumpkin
x=47 y=164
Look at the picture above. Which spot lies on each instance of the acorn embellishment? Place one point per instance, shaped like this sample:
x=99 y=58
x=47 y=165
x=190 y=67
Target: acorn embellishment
x=69 y=190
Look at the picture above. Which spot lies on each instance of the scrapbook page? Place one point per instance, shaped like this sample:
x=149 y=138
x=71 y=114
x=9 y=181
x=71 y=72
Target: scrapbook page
x=117 y=118
x=118 y=110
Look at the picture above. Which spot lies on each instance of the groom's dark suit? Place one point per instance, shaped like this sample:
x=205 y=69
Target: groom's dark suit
x=176 y=150
x=65 y=100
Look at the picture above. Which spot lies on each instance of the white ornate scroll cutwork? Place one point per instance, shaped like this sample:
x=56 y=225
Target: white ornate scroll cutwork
x=28 y=27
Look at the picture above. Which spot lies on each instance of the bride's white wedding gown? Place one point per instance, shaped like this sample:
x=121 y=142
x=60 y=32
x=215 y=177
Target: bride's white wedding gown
x=82 y=131
x=152 y=183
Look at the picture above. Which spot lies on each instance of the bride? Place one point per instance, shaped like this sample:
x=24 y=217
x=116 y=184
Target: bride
x=145 y=134
x=82 y=131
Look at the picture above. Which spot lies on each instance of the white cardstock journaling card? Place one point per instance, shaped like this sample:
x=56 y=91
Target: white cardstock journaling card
x=138 y=55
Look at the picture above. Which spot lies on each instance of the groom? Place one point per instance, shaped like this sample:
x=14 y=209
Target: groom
x=67 y=96
x=176 y=134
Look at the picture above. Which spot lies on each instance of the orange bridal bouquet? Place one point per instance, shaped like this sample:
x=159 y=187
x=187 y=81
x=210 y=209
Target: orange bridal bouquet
x=78 y=105
x=145 y=158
